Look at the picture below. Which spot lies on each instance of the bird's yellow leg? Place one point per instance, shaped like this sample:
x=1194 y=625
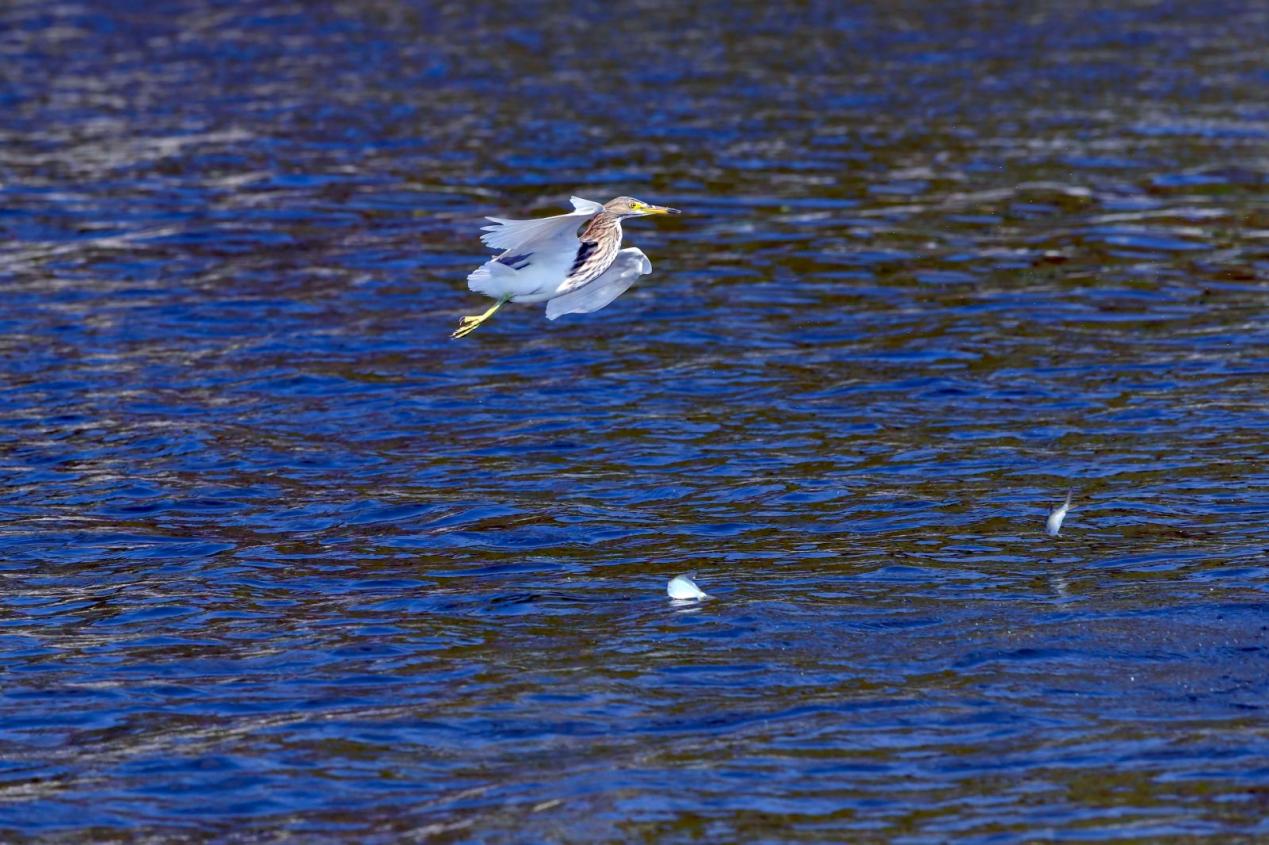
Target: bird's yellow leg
x=467 y=325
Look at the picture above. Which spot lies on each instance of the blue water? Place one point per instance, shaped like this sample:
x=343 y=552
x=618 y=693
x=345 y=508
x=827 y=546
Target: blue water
x=280 y=558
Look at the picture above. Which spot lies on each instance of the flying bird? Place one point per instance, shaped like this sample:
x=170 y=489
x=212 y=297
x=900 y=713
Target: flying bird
x=549 y=260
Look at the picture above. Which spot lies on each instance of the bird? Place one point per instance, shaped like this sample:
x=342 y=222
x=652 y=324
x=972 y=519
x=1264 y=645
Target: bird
x=549 y=260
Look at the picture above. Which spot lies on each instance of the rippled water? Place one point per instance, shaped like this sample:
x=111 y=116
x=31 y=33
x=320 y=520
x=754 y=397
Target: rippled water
x=278 y=557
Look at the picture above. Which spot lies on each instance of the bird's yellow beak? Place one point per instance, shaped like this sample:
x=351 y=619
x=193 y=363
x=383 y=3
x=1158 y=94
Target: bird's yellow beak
x=660 y=209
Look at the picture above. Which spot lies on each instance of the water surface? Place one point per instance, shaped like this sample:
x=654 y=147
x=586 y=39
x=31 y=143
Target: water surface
x=278 y=557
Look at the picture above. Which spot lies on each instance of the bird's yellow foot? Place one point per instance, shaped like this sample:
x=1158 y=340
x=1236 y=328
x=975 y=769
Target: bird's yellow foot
x=467 y=325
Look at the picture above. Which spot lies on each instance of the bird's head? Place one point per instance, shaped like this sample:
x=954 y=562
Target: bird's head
x=631 y=207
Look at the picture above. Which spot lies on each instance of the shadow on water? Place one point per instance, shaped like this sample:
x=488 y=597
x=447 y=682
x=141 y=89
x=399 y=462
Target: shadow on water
x=278 y=556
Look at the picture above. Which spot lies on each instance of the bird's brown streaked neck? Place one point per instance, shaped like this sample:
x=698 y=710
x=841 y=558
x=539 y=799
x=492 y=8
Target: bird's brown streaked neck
x=598 y=245
x=603 y=224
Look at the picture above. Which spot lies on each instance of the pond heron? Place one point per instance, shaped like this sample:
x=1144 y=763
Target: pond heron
x=549 y=260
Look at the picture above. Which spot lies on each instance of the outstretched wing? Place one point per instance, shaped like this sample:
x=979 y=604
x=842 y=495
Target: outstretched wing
x=627 y=267
x=533 y=235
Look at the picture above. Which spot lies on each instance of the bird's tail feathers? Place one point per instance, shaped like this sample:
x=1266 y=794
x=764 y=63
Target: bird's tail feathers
x=490 y=278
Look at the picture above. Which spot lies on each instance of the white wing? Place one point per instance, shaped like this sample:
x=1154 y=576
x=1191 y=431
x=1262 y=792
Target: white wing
x=628 y=266
x=515 y=234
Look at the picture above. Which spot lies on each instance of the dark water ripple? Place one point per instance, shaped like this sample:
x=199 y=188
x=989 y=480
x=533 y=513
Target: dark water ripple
x=278 y=558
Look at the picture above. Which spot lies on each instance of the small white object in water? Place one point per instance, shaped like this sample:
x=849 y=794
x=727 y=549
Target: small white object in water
x=682 y=587
x=1054 y=523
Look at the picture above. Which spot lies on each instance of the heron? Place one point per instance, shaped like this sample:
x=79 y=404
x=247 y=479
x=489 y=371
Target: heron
x=549 y=260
